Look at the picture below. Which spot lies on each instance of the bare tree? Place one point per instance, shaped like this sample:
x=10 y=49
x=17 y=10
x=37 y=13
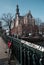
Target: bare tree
x=8 y=19
x=38 y=21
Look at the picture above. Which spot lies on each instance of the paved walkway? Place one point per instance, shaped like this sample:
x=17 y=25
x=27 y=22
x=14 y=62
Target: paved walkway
x=3 y=55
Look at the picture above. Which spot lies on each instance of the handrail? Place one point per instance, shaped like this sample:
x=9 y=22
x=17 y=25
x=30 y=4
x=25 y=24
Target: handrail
x=27 y=53
x=35 y=46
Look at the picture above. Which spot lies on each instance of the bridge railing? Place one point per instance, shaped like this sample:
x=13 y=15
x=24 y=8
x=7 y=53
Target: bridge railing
x=27 y=53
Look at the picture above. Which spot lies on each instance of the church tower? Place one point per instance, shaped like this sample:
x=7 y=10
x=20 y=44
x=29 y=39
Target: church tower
x=17 y=10
x=17 y=16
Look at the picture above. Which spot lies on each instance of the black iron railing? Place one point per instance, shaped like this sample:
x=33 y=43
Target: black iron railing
x=27 y=53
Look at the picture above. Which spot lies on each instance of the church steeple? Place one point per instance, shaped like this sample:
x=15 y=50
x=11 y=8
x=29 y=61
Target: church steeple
x=17 y=16
x=17 y=10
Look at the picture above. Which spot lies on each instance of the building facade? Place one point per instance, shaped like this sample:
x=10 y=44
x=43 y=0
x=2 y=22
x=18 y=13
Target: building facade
x=23 y=24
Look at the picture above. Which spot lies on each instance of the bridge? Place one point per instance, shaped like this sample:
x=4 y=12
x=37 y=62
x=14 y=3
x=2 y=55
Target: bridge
x=25 y=52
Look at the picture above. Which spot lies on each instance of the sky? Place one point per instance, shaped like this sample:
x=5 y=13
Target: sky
x=35 y=6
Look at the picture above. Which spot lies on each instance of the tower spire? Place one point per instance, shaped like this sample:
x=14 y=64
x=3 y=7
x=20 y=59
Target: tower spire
x=17 y=10
x=17 y=16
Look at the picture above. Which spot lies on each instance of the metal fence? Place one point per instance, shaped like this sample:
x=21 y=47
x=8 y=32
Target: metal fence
x=27 y=53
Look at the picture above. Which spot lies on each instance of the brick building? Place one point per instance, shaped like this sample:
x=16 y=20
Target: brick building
x=23 y=24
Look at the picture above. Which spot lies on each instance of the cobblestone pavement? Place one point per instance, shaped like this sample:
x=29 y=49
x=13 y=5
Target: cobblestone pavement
x=3 y=55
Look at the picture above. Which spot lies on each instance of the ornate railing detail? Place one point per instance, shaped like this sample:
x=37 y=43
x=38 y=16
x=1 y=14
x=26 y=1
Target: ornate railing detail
x=27 y=53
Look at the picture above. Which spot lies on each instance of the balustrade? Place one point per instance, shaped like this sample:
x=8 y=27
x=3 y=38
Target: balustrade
x=26 y=53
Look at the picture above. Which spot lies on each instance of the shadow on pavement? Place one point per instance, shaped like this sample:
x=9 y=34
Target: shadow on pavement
x=4 y=61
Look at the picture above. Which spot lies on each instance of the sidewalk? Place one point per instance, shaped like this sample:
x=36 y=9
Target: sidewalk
x=3 y=55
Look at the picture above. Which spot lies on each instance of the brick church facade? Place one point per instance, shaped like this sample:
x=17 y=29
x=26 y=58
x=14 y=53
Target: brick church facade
x=23 y=24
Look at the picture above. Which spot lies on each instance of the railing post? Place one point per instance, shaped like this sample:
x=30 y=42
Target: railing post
x=31 y=61
x=33 y=57
x=40 y=60
x=24 y=57
x=28 y=57
x=20 y=53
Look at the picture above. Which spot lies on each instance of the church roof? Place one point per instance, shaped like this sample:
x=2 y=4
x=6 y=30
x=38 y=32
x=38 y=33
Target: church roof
x=21 y=17
x=29 y=14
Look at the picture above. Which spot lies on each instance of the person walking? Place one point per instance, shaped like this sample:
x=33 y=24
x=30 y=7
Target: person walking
x=11 y=51
x=9 y=45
